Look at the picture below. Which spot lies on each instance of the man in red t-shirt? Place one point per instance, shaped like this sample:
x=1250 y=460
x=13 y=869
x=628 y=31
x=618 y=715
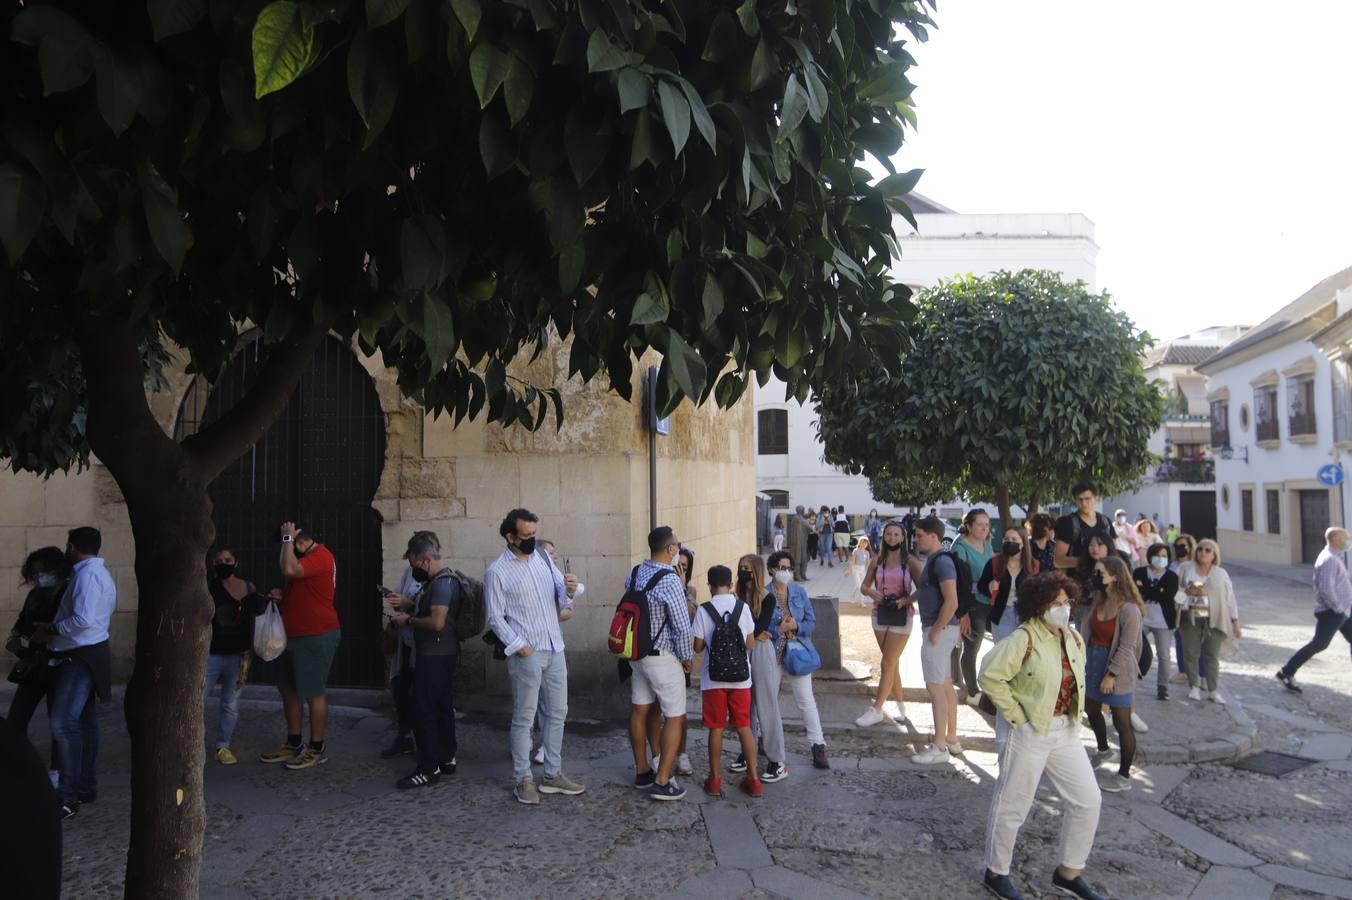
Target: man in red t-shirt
x=312 y=635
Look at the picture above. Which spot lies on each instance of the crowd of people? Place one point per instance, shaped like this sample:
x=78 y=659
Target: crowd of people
x=1073 y=606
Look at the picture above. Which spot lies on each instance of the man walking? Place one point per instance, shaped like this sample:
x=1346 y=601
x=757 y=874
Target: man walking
x=80 y=667
x=312 y=635
x=659 y=677
x=798 y=528
x=438 y=652
x=1332 y=605
x=524 y=592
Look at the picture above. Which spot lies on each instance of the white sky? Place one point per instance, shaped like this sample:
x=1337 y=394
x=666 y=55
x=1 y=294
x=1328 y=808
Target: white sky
x=1209 y=142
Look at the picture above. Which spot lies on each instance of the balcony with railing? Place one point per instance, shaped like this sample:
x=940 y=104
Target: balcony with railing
x=1302 y=423
x=1187 y=471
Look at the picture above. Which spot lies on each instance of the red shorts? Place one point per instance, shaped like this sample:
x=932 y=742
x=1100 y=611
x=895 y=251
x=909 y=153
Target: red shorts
x=727 y=706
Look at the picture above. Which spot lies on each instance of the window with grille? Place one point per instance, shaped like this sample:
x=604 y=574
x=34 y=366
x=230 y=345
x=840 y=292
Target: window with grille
x=778 y=499
x=773 y=428
x=1272 y=501
x=1265 y=413
x=1246 y=509
x=1300 y=404
x=1220 y=423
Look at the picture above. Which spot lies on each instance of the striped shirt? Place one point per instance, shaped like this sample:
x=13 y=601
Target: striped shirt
x=524 y=597
x=666 y=603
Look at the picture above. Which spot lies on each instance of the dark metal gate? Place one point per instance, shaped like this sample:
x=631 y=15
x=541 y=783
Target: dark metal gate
x=1197 y=513
x=1314 y=520
x=319 y=464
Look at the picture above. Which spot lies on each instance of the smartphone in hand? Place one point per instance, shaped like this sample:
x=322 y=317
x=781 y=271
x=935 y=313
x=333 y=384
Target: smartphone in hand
x=567 y=566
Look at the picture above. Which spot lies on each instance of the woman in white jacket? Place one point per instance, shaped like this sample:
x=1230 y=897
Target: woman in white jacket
x=1208 y=615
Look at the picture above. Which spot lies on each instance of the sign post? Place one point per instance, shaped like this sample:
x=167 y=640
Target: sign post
x=656 y=426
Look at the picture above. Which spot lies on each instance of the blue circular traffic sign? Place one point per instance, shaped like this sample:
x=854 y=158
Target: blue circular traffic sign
x=1331 y=474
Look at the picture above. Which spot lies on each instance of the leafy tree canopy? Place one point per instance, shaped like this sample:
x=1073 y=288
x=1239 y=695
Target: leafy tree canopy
x=450 y=182
x=1019 y=384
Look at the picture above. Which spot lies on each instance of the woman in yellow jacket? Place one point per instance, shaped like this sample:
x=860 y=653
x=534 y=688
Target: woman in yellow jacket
x=1035 y=678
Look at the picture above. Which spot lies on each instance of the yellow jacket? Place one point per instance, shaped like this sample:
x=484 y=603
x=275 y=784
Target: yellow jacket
x=1023 y=681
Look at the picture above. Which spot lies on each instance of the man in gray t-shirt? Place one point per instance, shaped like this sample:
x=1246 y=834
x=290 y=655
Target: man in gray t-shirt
x=938 y=602
x=938 y=569
x=437 y=653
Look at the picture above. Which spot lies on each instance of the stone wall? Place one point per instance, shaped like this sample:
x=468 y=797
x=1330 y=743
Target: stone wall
x=588 y=483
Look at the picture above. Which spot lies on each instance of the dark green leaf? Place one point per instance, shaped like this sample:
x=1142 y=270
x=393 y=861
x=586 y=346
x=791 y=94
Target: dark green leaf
x=438 y=331
x=383 y=12
x=712 y=302
x=794 y=108
x=495 y=146
x=373 y=84
x=21 y=205
x=164 y=219
x=488 y=67
x=900 y=184
x=604 y=56
x=571 y=260
x=722 y=40
x=518 y=89
x=171 y=17
x=817 y=97
x=764 y=65
x=644 y=148
x=703 y=122
x=675 y=113
x=635 y=90
x=746 y=14
x=470 y=14
x=118 y=89
x=649 y=309
x=422 y=253
x=687 y=368
x=283 y=48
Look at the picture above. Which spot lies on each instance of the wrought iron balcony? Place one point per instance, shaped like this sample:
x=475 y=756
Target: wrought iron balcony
x=1187 y=471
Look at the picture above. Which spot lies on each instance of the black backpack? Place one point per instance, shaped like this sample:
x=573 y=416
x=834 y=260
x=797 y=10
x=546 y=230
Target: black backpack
x=966 y=594
x=469 y=615
x=727 y=649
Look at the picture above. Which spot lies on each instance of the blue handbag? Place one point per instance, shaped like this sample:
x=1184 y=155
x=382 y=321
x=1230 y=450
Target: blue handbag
x=800 y=657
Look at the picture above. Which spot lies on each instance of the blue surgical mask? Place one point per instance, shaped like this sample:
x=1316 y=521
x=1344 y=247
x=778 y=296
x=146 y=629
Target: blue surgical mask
x=1159 y=562
x=46 y=580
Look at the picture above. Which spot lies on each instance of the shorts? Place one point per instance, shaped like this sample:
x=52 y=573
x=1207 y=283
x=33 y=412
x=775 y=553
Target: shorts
x=842 y=540
x=934 y=658
x=304 y=665
x=659 y=679
x=727 y=706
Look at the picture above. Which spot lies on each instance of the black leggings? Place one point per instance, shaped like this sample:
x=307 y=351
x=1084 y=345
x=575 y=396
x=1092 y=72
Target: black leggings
x=1126 y=734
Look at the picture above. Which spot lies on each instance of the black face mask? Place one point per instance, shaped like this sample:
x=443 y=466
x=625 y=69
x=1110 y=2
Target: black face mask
x=224 y=570
x=1180 y=550
x=420 y=576
x=527 y=546
x=890 y=548
x=300 y=552
x=1098 y=582
x=1012 y=548
x=743 y=577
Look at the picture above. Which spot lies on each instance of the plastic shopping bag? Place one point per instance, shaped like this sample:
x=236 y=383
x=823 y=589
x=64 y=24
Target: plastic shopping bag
x=269 y=634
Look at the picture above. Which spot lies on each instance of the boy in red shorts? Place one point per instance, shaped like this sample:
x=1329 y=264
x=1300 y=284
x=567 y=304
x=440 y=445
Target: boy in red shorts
x=724 y=628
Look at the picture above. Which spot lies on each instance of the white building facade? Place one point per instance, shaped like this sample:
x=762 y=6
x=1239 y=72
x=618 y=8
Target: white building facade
x=789 y=464
x=1271 y=396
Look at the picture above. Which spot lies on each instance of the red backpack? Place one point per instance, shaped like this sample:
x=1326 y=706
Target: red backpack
x=631 y=634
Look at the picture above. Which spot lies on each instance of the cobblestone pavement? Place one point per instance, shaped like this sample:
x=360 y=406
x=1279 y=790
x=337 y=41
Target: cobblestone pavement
x=874 y=825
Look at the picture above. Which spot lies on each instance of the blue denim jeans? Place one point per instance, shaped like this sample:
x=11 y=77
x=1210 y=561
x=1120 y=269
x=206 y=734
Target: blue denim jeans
x=538 y=680
x=1327 y=623
x=72 y=709
x=223 y=668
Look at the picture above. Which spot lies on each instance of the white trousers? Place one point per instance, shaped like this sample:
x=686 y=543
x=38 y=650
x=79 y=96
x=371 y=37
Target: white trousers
x=1025 y=757
x=807 y=706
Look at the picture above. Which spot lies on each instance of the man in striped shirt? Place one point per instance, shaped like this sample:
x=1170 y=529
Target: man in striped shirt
x=524 y=592
x=660 y=676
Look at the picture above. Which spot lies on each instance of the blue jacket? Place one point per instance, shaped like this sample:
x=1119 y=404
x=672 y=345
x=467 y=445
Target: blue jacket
x=800 y=606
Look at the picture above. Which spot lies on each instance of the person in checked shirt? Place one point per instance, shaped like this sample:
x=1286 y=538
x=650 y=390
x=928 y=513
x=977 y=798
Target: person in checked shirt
x=660 y=677
x=524 y=592
x=1332 y=605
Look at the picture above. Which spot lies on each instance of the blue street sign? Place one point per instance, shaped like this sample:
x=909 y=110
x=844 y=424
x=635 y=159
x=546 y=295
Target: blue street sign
x=1331 y=474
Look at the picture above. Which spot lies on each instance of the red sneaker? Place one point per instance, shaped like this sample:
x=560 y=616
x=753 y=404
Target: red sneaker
x=751 y=786
x=713 y=786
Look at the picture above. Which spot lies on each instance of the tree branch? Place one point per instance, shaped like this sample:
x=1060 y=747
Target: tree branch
x=223 y=441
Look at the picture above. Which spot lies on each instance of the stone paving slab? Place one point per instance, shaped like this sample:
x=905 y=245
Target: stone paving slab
x=1193 y=839
x=1227 y=883
x=1327 y=747
x=718 y=883
x=734 y=837
x=788 y=883
x=1307 y=881
x=1303 y=722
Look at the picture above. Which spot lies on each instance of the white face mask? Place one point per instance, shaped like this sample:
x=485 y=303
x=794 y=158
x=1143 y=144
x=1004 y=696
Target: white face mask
x=1057 y=616
x=784 y=577
x=1159 y=562
x=46 y=580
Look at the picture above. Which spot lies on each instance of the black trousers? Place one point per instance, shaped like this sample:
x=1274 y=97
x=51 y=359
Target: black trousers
x=434 y=710
x=401 y=689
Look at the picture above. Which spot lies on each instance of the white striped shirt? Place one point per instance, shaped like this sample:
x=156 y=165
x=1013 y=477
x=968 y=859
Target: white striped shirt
x=523 y=597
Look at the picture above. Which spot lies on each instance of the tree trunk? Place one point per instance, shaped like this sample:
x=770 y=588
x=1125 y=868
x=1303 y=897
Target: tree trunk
x=1032 y=507
x=165 y=487
x=1002 y=504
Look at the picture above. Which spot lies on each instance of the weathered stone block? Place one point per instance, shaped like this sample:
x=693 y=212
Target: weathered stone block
x=442 y=438
x=432 y=511
x=12 y=593
x=105 y=487
x=128 y=595
x=426 y=479
x=13 y=545
x=22 y=500
x=489 y=485
x=471 y=538
x=387 y=508
x=46 y=537
x=119 y=545
x=71 y=499
x=540 y=485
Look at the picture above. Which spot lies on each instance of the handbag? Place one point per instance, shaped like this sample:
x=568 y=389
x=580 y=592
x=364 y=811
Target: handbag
x=800 y=657
x=889 y=615
x=1147 y=657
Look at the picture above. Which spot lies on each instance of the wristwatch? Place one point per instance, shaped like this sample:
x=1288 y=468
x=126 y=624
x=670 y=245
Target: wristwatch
x=286 y=539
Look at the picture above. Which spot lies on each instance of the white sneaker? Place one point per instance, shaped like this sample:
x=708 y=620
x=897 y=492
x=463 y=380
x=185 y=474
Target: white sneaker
x=538 y=757
x=896 y=710
x=954 y=748
x=872 y=716
x=1218 y=697
x=974 y=699
x=931 y=756
x=1195 y=694
x=1139 y=724
x=683 y=766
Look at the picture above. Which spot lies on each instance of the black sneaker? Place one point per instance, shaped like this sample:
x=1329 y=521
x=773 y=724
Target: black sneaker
x=87 y=796
x=400 y=747
x=1162 y=692
x=68 y=811
x=417 y=780
x=1288 y=682
x=645 y=780
x=1002 y=886
x=775 y=772
x=819 y=757
x=739 y=765
x=669 y=791
x=1074 y=887
x=447 y=768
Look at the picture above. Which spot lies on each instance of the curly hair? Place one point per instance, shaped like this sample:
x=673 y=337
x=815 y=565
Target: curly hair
x=778 y=557
x=1038 y=592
